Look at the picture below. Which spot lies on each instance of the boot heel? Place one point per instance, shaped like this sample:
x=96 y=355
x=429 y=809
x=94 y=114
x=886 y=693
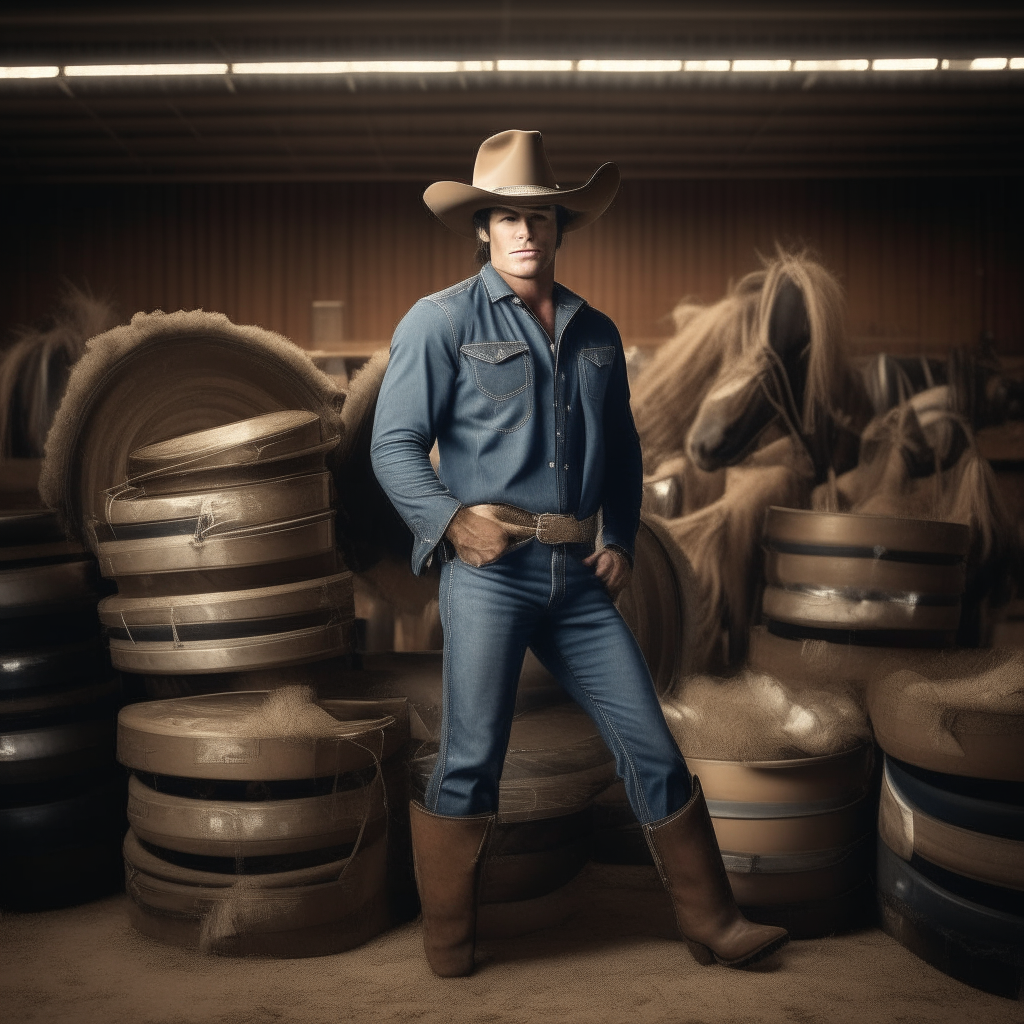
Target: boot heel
x=700 y=952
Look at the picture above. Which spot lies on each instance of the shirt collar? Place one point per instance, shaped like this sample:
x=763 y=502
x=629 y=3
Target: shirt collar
x=498 y=288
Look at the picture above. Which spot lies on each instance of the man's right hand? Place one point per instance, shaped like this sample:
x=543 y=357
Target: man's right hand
x=477 y=539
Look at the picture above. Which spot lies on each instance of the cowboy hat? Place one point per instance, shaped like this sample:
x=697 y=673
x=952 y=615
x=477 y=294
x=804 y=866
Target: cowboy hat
x=511 y=168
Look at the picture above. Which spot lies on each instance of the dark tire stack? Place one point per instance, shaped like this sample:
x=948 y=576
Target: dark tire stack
x=951 y=819
x=62 y=794
x=260 y=820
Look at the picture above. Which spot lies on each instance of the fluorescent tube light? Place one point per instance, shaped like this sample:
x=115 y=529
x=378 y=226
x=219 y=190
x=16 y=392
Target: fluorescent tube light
x=988 y=64
x=629 y=65
x=905 y=64
x=831 y=65
x=761 y=65
x=358 y=67
x=133 y=70
x=42 y=72
x=707 y=65
x=1017 y=63
x=535 y=65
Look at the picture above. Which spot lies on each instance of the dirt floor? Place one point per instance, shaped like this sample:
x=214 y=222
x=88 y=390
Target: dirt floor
x=611 y=962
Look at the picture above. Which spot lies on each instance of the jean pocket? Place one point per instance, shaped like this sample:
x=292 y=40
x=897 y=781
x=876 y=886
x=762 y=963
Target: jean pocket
x=595 y=369
x=503 y=375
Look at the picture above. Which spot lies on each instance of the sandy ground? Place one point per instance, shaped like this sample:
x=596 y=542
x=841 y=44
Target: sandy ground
x=611 y=962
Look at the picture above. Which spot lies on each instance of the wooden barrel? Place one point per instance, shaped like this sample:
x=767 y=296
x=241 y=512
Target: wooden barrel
x=250 y=736
x=556 y=764
x=247 y=629
x=220 y=548
x=234 y=819
x=246 y=828
x=969 y=930
x=657 y=603
x=260 y=820
x=853 y=578
x=960 y=715
x=312 y=918
x=132 y=515
x=794 y=834
x=258 y=439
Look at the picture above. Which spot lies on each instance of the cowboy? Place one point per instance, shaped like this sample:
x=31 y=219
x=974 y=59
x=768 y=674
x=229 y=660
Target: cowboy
x=523 y=386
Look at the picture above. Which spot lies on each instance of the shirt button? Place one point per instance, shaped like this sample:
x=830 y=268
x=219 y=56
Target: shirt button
x=551 y=465
x=517 y=301
x=558 y=433
x=566 y=466
x=552 y=347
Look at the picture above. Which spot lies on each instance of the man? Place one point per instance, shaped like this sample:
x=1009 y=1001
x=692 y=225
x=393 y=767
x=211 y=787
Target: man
x=523 y=386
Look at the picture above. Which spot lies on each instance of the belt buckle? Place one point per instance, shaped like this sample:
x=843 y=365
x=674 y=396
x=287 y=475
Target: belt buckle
x=547 y=526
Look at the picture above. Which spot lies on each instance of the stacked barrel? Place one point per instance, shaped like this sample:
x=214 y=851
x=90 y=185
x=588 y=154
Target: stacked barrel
x=259 y=820
x=796 y=835
x=61 y=792
x=863 y=579
x=951 y=816
x=556 y=765
x=222 y=546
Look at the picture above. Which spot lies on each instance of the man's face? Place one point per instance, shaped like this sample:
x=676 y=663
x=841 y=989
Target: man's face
x=522 y=240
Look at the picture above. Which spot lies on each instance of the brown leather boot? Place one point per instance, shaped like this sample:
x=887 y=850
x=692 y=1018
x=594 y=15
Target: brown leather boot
x=686 y=853
x=447 y=854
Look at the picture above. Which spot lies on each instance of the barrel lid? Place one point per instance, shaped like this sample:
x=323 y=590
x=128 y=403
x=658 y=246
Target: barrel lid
x=877 y=534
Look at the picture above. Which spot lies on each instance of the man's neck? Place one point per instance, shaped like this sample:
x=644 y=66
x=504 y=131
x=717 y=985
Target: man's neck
x=534 y=291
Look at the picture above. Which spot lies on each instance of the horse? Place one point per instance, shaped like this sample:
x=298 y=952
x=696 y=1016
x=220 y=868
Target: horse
x=34 y=370
x=920 y=460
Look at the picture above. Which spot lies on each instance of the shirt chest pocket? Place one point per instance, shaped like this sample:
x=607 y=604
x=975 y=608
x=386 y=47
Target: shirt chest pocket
x=503 y=376
x=595 y=369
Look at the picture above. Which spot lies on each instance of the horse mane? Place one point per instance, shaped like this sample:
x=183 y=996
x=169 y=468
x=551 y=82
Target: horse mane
x=826 y=313
x=722 y=542
x=719 y=340
x=668 y=391
x=34 y=370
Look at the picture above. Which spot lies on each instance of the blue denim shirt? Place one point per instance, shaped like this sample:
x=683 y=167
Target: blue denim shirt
x=518 y=419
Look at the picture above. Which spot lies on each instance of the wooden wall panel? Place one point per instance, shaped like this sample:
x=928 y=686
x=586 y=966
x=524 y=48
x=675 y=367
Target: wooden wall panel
x=927 y=264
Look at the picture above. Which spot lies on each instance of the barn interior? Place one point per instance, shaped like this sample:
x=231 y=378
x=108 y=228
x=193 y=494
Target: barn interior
x=220 y=682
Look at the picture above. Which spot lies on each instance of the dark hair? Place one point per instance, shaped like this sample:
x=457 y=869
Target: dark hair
x=482 y=219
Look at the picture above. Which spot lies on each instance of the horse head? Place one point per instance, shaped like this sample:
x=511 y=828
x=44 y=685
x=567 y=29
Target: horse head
x=768 y=382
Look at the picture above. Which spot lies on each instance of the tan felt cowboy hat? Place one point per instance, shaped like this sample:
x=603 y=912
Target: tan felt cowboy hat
x=512 y=169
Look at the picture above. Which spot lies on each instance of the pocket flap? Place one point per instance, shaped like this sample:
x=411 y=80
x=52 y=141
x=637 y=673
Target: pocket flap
x=494 y=351
x=599 y=356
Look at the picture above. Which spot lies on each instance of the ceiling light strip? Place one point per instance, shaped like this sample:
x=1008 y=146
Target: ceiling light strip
x=40 y=72
x=139 y=70
x=517 y=66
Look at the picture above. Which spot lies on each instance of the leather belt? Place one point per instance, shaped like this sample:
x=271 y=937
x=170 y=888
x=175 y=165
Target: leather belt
x=547 y=527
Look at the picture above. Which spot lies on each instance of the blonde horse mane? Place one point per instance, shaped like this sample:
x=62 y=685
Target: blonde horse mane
x=29 y=387
x=720 y=341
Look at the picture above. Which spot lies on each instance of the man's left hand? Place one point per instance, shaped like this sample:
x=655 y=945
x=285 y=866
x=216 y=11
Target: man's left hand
x=611 y=568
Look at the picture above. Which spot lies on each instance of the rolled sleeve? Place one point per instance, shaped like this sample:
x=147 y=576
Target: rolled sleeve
x=414 y=397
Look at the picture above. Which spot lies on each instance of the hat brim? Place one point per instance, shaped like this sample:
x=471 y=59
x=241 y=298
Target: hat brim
x=454 y=202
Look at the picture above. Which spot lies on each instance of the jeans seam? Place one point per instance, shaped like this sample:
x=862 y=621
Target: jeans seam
x=433 y=793
x=611 y=728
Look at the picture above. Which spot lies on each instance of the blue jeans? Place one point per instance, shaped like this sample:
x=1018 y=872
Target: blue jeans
x=543 y=597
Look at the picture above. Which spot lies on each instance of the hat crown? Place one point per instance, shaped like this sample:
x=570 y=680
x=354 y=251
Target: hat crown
x=513 y=160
